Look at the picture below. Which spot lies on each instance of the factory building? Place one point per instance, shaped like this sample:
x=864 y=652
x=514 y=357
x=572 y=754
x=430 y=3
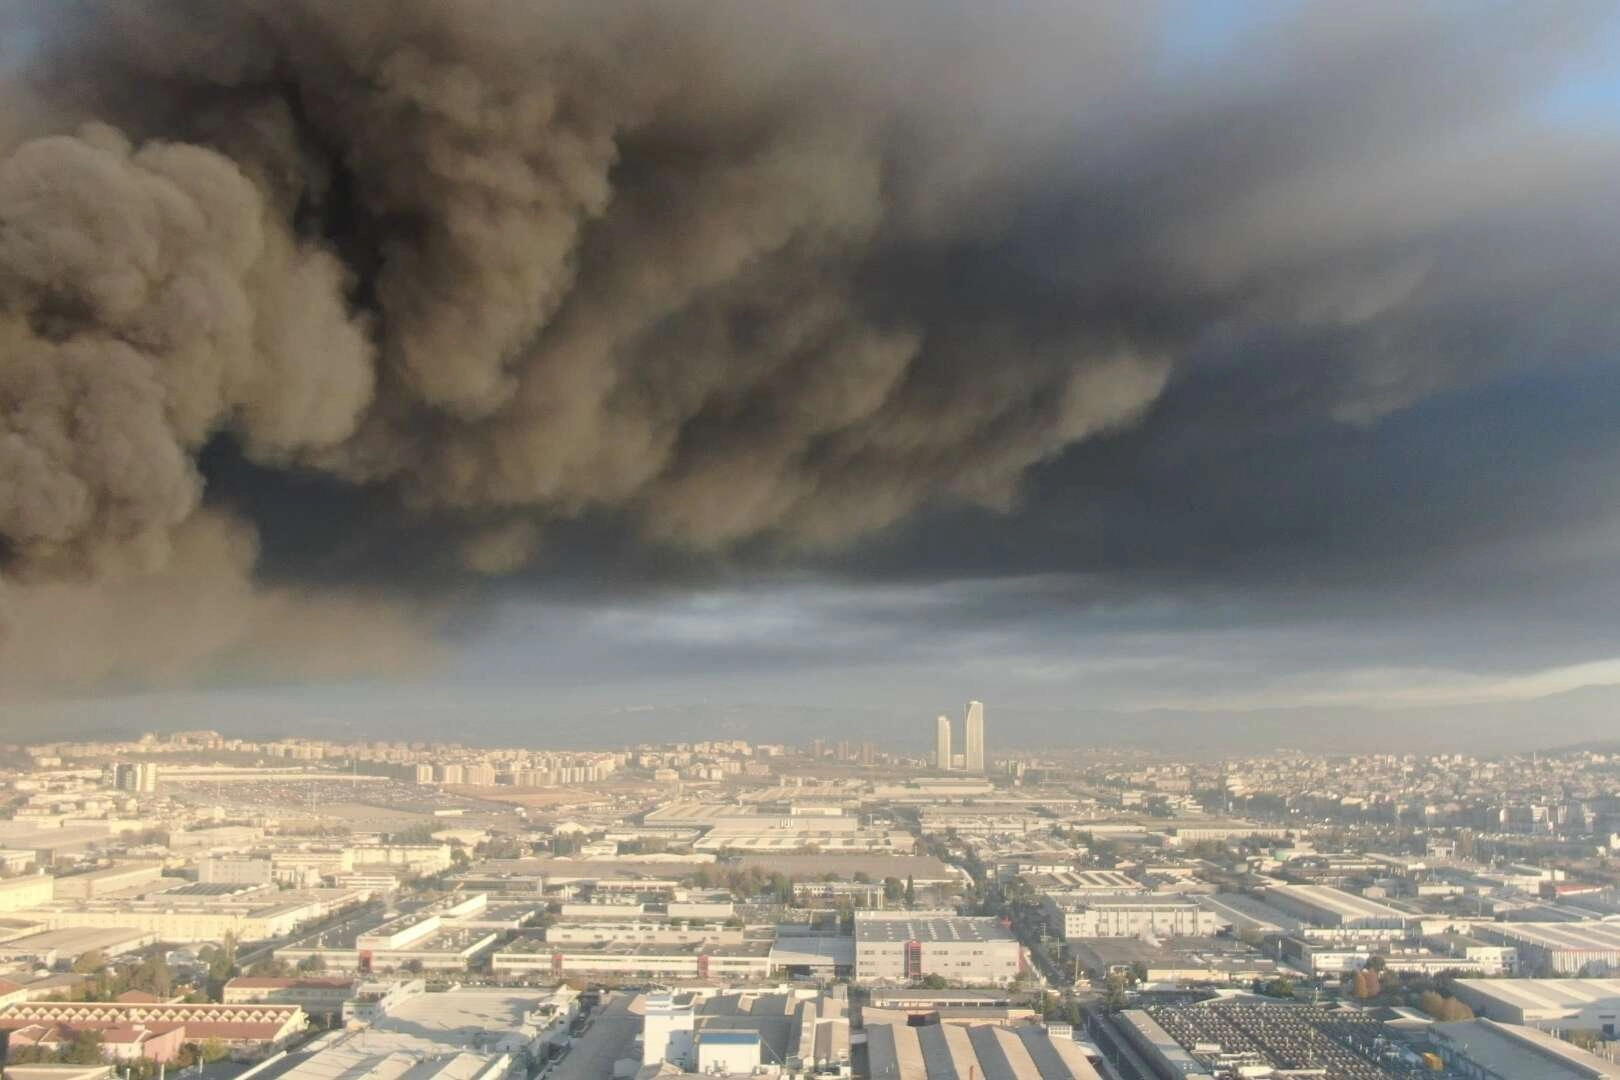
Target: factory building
x=1566 y=1004
x=897 y=1047
x=1561 y=948
x=21 y=893
x=1105 y=915
x=1321 y=905
x=903 y=947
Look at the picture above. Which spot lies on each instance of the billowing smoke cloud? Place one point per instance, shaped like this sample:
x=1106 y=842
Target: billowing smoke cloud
x=725 y=275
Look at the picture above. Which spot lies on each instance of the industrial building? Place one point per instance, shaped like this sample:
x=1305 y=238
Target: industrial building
x=22 y=893
x=897 y=1048
x=465 y=1034
x=123 y=877
x=1078 y=884
x=749 y=960
x=1565 y=948
x=1243 y=912
x=235 y=871
x=1321 y=905
x=1584 y=1004
x=1202 y=960
x=321 y=997
x=736 y=1034
x=1104 y=915
x=901 y=947
x=1486 y=1050
x=827 y=956
x=49 y=948
x=196 y=913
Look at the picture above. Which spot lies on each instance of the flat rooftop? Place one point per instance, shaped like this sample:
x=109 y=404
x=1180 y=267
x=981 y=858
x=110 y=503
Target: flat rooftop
x=1087 y=881
x=1337 y=901
x=1170 y=952
x=1594 y=935
x=76 y=939
x=1546 y=995
x=922 y=869
x=453 y=1016
x=932 y=930
x=1509 y=1050
x=1246 y=913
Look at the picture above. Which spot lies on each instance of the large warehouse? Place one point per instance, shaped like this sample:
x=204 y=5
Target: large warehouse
x=950 y=1051
x=901 y=947
x=1564 y=948
x=1586 y=1004
x=1321 y=905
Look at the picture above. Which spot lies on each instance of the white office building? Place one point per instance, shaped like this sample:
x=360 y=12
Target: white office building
x=973 y=750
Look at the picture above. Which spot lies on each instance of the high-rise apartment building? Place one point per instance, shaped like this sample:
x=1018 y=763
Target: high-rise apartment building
x=973 y=750
x=942 y=742
x=140 y=777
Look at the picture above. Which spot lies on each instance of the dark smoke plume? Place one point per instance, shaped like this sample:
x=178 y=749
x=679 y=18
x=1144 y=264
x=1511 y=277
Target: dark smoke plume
x=724 y=273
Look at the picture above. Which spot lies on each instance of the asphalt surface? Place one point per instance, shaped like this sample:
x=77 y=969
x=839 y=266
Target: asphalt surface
x=611 y=1036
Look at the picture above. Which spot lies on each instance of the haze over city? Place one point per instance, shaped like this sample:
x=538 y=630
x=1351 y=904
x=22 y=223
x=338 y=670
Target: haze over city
x=904 y=540
x=365 y=361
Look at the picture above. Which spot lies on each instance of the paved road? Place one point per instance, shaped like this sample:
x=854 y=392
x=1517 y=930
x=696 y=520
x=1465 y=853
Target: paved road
x=611 y=1037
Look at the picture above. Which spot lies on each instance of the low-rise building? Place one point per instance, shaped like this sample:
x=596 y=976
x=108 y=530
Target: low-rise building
x=905 y=946
x=22 y=893
x=1579 y=1004
x=243 y=1028
x=1487 y=1050
x=317 y=996
x=1322 y=905
x=1105 y=915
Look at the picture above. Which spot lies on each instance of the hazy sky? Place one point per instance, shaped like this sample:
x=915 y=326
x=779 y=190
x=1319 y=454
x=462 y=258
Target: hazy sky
x=1191 y=354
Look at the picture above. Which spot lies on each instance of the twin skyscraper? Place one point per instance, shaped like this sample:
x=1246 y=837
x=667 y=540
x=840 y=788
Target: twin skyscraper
x=972 y=758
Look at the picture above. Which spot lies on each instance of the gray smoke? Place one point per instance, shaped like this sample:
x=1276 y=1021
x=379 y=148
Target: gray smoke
x=726 y=273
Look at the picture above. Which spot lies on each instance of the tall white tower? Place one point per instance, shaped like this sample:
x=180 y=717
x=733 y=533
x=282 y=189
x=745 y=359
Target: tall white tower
x=973 y=750
x=942 y=742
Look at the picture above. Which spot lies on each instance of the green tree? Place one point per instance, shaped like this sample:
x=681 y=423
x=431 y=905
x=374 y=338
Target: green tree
x=270 y=967
x=893 y=889
x=85 y=1049
x=153 y=976
x=934 y=982
x=213 y=1050
x=222 y=961
x=1280 y=987
x=312 y=964
x=90 y=963
x=1444 y=1008
x=911 y=891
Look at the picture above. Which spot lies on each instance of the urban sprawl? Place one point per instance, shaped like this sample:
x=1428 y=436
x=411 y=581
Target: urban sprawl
x=325 y=910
